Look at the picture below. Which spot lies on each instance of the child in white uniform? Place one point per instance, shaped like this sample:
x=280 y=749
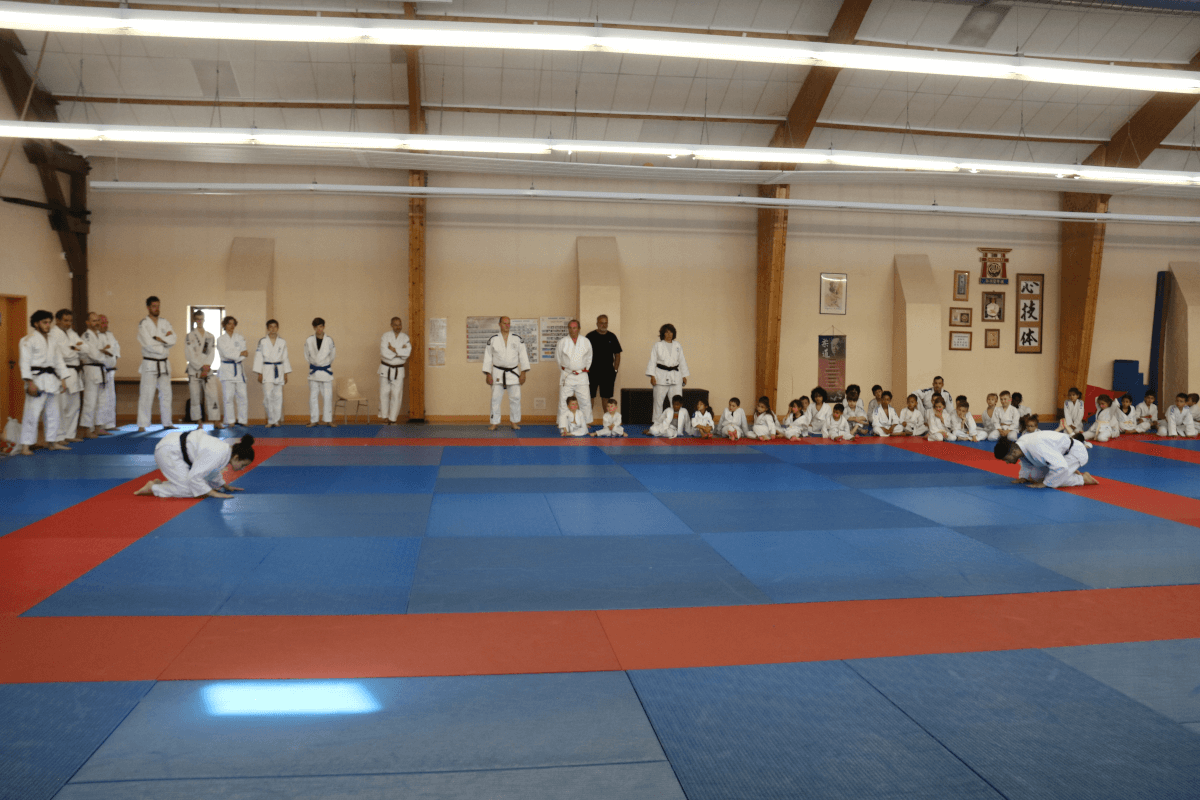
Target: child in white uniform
x=733 y=421
x=856 y=411
x=873 y=406
x=838 y=428
x=1008 y=419
x=886 y=421
x=766 y=426
x=1073 y=414
x=1146 y=413
x=1029 y=424
x=272 y=365
x=818 y=414
x=1106 y=425
x=940 y=427
x=987 y=420
x=1126 y=418
x=912 y=421
x=672 y=422
x=571 y=422
x=612 y=420
x=965 y=429
x=702 y=421
x=1179 y=419
x=795 y=412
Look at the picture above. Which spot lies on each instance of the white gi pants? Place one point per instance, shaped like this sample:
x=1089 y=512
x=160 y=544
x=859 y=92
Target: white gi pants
x=1167 y=427
x=1142 y=427
x=663 y=392
x=1076 y=458
x=68 y=414
x=34 y=406
x=514 y=401
x=995 y=436
x=150 y=382
x=617 y=430
x=207 y=390
x=107 y=414
x=1101 y=433
x=390 y=391
x=233 y=393
x=581 y=391
x=273 y=402
x=324 y=389
x=169 y=459
x=89 y=416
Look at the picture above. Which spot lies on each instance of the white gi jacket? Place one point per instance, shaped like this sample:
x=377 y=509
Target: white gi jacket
x=573 y=422
x=988 y=420
x=1127 y=422
x=925 y=397
x=1195 y=412
x=42 y=363
x=1181 y=420
x=505 y=361
x=1052 y=458
x=765 y=426
x=964 y=427
x=938 y=424
x=854 y=410
x=702 y=418
x=837 y=428
x=1073 y=414
x=913 y=420
x=114 y=347
x=1145 y=410
x=816 y=418
x=611 y=425
x=320 y=362
x=733 y=420
x=93 y=358
x=884 y=418
x=230 y=348
x=199 y=347
x=154 y=354
x=1108 y=419
x=1007 y=419
x=670 y=426
x=390 y=363
x=271 y=359
x=667 y=365
x=208 y=456
x=574 y=360
x=69 y=345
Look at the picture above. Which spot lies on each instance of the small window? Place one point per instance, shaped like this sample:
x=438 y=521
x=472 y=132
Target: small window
x=212 y=321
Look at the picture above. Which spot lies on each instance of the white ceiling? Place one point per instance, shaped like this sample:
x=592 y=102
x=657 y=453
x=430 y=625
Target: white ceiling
x=129 y=67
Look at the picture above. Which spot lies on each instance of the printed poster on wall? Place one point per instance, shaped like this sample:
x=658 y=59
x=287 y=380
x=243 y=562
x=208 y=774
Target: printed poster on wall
x=831 y=365
x=1030 y=310
x=480 y=329
x=553 y=329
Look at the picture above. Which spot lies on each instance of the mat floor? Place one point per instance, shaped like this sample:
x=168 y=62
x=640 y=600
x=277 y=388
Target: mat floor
x=445 y=612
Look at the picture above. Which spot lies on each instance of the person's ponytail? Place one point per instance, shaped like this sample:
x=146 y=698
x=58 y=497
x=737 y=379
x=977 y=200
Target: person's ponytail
x=244 y=449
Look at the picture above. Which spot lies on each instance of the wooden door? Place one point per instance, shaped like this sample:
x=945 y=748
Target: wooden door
x=13 y=326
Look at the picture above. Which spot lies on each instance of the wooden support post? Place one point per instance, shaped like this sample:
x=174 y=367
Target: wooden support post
x=1082 y=253
x=416 y=301
x=768 y=317
x=69 y=221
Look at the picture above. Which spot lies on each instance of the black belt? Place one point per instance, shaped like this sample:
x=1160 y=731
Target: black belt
x=668 y=369
x=103 y=371
x=504 y=378
x=77 y=367
x=397 y=367
x=43 y=371
x=159 y=362
x=183 y=448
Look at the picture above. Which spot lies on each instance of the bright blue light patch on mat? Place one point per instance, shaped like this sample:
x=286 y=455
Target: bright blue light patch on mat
x=288 y=698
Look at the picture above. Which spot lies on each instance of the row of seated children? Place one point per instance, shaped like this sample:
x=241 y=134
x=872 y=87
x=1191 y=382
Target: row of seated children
x=1125 y=418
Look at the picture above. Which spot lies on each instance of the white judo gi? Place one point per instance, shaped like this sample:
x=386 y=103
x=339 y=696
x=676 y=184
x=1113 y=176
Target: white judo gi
x=1126 y=422
x=70 y=347
x=573 y=422
x=394 y=350
x=855 y=413
x=765 y=427
x=506 y=361
x=885 y=419
x=95 y=379
x=838 y=430
x=941 y=429
x=733 y=424
x=1007 y=420
x=155 y=370
x=574 y=360
x=925 y=399
x=320 y=376
x=965 y=429
x=913 y=420
x=1106 y=426
x=200 y=348
x=209 y=456
x=271 y=361
x=1073 y=416
x=702 y=418
x=108 y=401
x=1146 y=415
x=1052 y=458
x=41 y=362
x=816 y=418
x=232 y=374
x=668 y=367
x=1179 y=422
x=670 y=425
x=611 y=425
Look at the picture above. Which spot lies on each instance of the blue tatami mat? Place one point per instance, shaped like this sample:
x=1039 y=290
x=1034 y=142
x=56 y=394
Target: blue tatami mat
x=491 y=515
x=1032 y=727
x=51 y=729
x=410 y=725
x=721 y=511
x=752 y=477
x=1162 y=675
x=784 y=731
x=340 y=480
x=293 y=516
x=613 y=514
x=71 y=466
x=574 y=572
x=1065 y=537
x=44 y=497
x=858 y=453
x=360 y=456
x=503 y=456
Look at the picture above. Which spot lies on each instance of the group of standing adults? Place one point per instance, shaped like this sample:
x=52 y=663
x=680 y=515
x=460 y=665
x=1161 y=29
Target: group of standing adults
x=588 y=368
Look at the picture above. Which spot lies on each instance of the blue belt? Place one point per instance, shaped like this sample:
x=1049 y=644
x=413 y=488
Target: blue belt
x=276 y=365
x=314 y=368
x=235 y=366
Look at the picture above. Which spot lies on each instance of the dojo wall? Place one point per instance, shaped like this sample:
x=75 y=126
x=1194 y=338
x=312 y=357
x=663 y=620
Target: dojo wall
x=31 y=261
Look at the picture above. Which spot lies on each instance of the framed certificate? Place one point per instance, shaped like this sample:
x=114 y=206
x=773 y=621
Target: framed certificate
x=960 y=340
x=960 y=317
x=962 y=285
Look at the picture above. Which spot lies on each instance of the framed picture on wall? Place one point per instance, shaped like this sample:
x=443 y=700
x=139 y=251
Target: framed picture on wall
x=960 y=317
x=991 y=337
x=993 y=306
x=833 y=293
x=960 y=340
x=962 y=285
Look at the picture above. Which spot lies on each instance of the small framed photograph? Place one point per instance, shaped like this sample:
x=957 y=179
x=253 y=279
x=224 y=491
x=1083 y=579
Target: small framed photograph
x=962 y=285
x=960 y=317
x=833 y=293
x=960 y=340
x=991 y=337
x=993 y=306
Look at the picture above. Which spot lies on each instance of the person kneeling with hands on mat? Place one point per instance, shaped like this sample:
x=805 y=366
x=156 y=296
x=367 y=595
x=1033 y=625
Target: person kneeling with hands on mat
x=192 y=463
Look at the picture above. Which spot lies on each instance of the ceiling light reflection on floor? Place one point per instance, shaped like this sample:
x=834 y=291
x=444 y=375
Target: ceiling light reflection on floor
x=288 y=698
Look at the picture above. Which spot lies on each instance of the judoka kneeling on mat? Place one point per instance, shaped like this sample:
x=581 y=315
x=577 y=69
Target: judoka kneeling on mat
x=1047 y=458
x=192 y=461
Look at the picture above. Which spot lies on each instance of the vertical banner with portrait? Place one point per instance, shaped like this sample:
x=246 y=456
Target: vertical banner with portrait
x=1030 y=310
x=831 y=365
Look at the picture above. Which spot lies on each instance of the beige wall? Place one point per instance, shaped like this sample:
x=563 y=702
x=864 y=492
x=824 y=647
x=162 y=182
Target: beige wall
x=31 y=262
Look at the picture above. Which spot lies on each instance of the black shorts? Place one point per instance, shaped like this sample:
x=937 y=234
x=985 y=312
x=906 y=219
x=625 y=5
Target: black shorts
x=603 y=383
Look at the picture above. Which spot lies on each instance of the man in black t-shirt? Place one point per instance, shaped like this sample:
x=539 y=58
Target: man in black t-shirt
x=606 y=360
